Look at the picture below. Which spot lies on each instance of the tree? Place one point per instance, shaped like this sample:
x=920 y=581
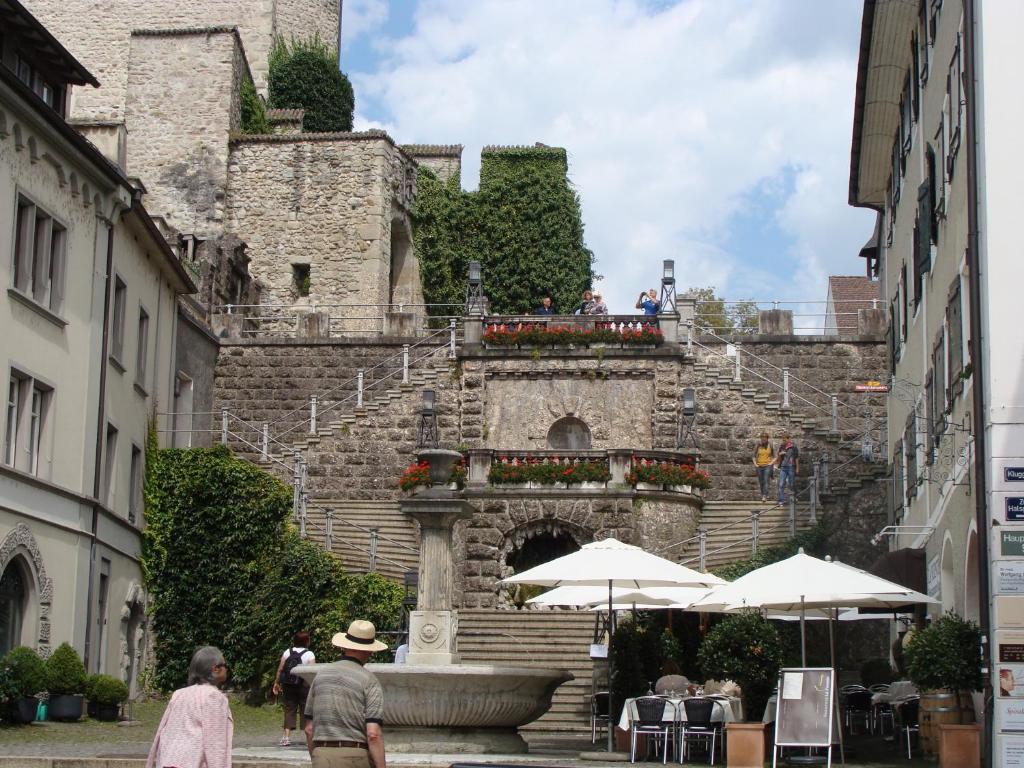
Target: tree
x=304 y=74
x=714 y=314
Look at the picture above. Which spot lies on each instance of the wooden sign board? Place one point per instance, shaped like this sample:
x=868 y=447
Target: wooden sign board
x=806 y=708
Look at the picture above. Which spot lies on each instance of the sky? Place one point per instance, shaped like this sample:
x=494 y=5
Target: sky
x=712 y=132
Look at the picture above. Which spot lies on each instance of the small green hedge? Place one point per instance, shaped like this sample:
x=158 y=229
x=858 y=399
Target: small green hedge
x=106 y=689
x=945 y=655
x=65 y=673
x=747 y=649
x=254 y=112
x=24 y=671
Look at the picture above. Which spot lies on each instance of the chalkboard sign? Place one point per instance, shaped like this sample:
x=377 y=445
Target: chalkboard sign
x=805 y=707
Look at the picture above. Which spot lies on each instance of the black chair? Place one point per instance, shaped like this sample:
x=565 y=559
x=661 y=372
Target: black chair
x=698 y=726
x=856 y=708
x=905 y=719
x=599 y=716
x=648 y=719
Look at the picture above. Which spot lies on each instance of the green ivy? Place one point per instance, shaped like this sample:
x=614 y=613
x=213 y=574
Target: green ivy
x=213 y=521
x=523 y=224
x=370 y=597
x=304 y=74
x=254 y=113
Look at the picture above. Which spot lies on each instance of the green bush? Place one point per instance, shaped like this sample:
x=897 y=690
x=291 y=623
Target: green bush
x=214 y=522
x=524 y=225
x=747 y=649
x=945 y=655
x=65 y=673
x=106 y=689
x=304 y=74
x=369 y=596
x=254 y=113
x=812 y=541
x=25 y=672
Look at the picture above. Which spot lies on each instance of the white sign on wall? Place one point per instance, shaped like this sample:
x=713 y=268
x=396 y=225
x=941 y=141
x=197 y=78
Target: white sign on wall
x=934 y=578
x=1009 y=577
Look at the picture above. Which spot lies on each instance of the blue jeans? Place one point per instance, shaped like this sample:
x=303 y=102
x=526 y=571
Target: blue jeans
x=784 y=472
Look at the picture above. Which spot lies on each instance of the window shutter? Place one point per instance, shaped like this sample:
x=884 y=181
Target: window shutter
x=25 y=245
x=924 y=222
x=929 y=388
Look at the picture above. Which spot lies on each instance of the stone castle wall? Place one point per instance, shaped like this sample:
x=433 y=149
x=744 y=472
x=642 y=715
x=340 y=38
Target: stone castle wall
x=326 y=200
x=183 y=102
x=98 y=34
x=445 y=160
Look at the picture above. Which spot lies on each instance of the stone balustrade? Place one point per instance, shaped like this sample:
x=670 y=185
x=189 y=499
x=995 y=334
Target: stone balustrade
x=618 y=461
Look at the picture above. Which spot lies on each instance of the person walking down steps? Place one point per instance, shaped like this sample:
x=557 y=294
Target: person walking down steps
x=788 y=462
x=764 y=461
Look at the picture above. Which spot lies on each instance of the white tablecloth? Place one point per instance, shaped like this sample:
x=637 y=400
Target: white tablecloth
x=899 y=690
x=727 y=710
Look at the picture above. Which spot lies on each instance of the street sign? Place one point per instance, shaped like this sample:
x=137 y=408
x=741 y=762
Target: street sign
x=1011 y=543
x=871 y=386
x=1013 y=474
x=1014 y=507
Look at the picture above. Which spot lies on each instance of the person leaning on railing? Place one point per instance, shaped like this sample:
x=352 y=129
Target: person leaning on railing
x=545 y=308
x=649 y=303
x=597 y=306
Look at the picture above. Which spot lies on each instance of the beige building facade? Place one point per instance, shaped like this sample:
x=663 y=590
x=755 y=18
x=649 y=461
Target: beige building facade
x=88 y=312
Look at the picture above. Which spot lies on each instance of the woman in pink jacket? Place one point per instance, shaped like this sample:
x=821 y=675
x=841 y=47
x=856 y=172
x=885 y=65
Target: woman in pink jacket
x=196 y=728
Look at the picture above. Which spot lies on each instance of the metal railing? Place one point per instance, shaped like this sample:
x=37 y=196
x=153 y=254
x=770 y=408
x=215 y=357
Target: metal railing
x=741 y=315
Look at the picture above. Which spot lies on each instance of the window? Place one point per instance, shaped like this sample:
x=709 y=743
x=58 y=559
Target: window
x=110 y=461
x=925 y=39
x=117 y=320
x=938 y=169
x=39 y=255
x=915 y=75
x=910 y=448
x=135 y=485
x=300 y=277
x=933 y=18
x=27 y=421
x=899 y=466
x=903 y=304
x=11 y=423
x=13 y=605
x=142 y=348
x=955 y=342
x=956 y=94
x=937 y=398
x=922 y=240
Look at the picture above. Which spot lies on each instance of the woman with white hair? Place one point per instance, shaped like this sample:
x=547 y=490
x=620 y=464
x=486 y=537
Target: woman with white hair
x=196 y=729
x=597 y=306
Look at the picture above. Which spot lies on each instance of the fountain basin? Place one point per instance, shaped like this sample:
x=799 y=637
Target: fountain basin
x=459 y=707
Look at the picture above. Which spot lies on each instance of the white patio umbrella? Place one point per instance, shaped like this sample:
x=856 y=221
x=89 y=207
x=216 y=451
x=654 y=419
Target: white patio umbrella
x=585 y=597
x=610 y=563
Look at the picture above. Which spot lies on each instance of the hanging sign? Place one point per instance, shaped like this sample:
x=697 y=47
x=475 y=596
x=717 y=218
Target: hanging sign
x=871 y=386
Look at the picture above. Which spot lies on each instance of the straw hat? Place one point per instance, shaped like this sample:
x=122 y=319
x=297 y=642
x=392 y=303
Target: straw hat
x=361 y=636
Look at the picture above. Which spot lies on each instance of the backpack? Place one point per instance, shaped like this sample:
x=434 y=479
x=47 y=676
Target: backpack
x=293 y=660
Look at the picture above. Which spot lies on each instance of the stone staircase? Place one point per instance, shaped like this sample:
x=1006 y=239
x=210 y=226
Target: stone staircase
x=537 y=638
x=397 y=540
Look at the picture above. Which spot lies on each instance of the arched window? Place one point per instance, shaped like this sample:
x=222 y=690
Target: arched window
x=13 y=603
x=569 y=434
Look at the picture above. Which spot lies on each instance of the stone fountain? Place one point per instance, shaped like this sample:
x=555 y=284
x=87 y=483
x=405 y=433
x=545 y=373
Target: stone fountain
x=432 y=703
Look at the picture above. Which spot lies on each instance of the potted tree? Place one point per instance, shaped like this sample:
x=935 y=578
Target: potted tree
x=944 y=662
x=65 y=680
x=26 y=676
x=106 y=694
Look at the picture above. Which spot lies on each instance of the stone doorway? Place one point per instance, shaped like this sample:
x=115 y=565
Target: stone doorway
x=528 y=547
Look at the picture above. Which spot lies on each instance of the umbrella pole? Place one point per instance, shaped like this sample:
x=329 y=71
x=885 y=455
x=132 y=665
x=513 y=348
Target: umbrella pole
x=611 y=666
x=835 y=691
x=803 y=635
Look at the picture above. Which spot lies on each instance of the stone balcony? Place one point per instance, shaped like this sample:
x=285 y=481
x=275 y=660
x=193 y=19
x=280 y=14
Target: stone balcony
x=641 y=333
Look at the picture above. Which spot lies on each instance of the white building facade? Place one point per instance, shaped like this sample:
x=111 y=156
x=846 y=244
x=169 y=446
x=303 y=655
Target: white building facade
x=88 y=313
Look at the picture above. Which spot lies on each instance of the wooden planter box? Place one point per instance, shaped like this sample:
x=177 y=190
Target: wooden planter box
x=959 y=746
x=744 y=745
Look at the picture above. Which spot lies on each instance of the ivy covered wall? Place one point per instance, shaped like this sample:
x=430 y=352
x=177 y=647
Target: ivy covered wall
x=523 y=224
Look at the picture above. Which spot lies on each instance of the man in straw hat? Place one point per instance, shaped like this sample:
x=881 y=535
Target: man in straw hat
x=345 y=706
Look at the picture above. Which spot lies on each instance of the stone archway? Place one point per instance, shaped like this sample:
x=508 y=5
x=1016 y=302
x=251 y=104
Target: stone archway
x=569 y=433
x=529 y=545
x=133 y=636
x=19 y=549
x=403 y=281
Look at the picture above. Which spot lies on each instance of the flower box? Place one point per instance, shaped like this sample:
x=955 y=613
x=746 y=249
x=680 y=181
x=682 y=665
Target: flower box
x=679 y=488
x=642 y=486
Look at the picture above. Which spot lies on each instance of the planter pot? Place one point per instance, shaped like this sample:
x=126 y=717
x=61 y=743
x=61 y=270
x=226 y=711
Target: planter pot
x=23 y=711
x=960 y=746
x=592 y=485
x=744 y=745
x=106 y=712
x=680 y=488
x=66 y=707
x=650 y=487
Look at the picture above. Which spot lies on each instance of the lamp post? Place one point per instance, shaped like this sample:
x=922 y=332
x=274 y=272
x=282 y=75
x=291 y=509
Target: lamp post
x=475 y=289
x=668 y=286
x=428 y=437
x=688 y=415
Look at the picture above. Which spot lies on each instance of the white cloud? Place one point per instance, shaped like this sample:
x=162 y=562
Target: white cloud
x=673 y=115
x=362 y=17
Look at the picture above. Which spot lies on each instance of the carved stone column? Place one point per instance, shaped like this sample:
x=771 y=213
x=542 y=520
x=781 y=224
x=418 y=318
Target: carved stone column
x=433 y=626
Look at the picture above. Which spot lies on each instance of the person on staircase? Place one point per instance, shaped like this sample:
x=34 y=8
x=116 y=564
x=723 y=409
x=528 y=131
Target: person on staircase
x=788 y=462
x=764 y=462
x=292 y=688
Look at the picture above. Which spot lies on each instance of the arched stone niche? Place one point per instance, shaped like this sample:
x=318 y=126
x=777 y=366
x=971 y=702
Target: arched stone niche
x=19 y=548
x=560 y=536
x=569 y=433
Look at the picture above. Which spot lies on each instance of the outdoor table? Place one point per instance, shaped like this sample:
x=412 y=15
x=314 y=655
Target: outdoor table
x=770 y=709
x=727 y=710
x=899 y=690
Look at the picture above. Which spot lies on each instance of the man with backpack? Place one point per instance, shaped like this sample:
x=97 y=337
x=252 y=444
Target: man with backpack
x=291 y=687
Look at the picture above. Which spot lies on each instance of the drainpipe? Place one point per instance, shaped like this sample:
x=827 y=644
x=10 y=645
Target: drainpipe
x=100 y=432
x=978 y=363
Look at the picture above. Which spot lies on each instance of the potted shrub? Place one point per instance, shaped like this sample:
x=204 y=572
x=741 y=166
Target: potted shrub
x=65 y=680
x=106 y=695
x=944 y=662
x=747 y=649
x=26 y=676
